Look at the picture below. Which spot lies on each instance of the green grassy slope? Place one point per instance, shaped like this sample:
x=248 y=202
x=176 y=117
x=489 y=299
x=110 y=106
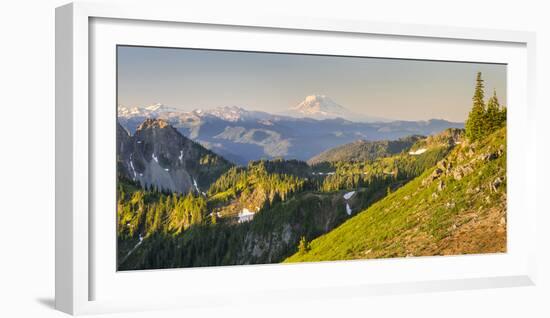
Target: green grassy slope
x=457 y=207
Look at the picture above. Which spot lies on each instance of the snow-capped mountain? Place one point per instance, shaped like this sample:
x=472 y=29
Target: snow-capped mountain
x=146 y=111
x=226 y=113
x=319 y=107
x=241 y=135
x=323 y=107
x=233 y=113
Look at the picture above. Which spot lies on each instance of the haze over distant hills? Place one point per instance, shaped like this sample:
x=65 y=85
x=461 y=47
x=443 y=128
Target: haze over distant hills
x=305 y=130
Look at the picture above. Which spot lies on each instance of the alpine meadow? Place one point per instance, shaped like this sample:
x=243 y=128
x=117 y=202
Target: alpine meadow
x=238 y=158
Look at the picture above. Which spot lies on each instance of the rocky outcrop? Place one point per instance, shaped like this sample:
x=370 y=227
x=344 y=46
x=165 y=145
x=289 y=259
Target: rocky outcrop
x=158 y=156
x=463 y=164
x=496 y=184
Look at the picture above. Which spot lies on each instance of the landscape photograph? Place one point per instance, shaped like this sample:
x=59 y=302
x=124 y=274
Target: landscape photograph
x=242 y=158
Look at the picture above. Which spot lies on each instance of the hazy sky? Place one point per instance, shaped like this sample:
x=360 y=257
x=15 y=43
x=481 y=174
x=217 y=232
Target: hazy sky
x=389 y=88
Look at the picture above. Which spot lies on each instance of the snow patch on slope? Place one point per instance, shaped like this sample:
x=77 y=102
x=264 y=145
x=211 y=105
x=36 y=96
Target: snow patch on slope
x=348 y=209
x=418 y=152
x=245 y=215
x=348 y=195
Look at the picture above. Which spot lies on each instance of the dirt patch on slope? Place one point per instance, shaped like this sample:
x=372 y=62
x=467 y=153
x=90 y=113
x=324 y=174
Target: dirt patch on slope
x=482 y=234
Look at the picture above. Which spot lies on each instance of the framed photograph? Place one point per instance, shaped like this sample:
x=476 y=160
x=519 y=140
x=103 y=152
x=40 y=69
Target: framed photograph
x=266 y=156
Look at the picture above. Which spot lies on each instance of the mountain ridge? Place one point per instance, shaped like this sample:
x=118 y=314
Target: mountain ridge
x=241 y=135
x=363 y=150
x=157 y=155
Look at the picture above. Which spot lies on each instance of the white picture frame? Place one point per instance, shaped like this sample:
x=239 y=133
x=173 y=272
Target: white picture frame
x=80 y=146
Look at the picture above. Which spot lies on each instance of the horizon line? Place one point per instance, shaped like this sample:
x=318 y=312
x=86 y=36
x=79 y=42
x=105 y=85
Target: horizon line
x=385 y=120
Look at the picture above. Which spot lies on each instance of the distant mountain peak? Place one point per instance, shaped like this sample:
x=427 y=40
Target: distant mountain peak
x=319 y=98
x=231 y=108
x=145 y=111
x=153 y=123
x=229 y=113
x=320 y=106
x=316 y=98
x=155 y=107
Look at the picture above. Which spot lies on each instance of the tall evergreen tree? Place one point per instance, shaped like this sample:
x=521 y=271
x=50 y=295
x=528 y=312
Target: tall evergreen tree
x=502 y=116
x=494 y=120
x=303 y=246
x=476 y=125
x=484 y=118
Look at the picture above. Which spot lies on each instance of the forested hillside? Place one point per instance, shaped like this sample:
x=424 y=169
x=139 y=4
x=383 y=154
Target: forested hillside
x=402 y=167
x=286 y=202
x=363 y=150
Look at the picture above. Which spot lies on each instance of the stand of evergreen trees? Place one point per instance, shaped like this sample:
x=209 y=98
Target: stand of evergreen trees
x=381 y=172
x=268 y=177
x=190 y=220
x=484 y=118
x=145 y=212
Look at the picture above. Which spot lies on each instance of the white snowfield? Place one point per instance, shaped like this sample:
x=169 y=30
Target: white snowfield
x=324 y=173
x=136 y=246
x=348 y=209
x=418 y=152
x=133 y=169
x=181 y=155
x=245 y=215
x=348 y=195
x=196 y=185
x=155 y=157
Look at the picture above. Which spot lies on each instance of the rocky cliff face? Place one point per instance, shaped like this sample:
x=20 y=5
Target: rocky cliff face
x=158 y=156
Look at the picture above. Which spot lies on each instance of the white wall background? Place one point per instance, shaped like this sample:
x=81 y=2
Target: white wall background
x=27 y=158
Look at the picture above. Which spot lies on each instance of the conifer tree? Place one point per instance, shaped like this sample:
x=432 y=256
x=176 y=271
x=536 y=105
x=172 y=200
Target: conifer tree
x=502 y=116
x=476 y=125
x=303 y=246
x=213 y=218
x=494 y=120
